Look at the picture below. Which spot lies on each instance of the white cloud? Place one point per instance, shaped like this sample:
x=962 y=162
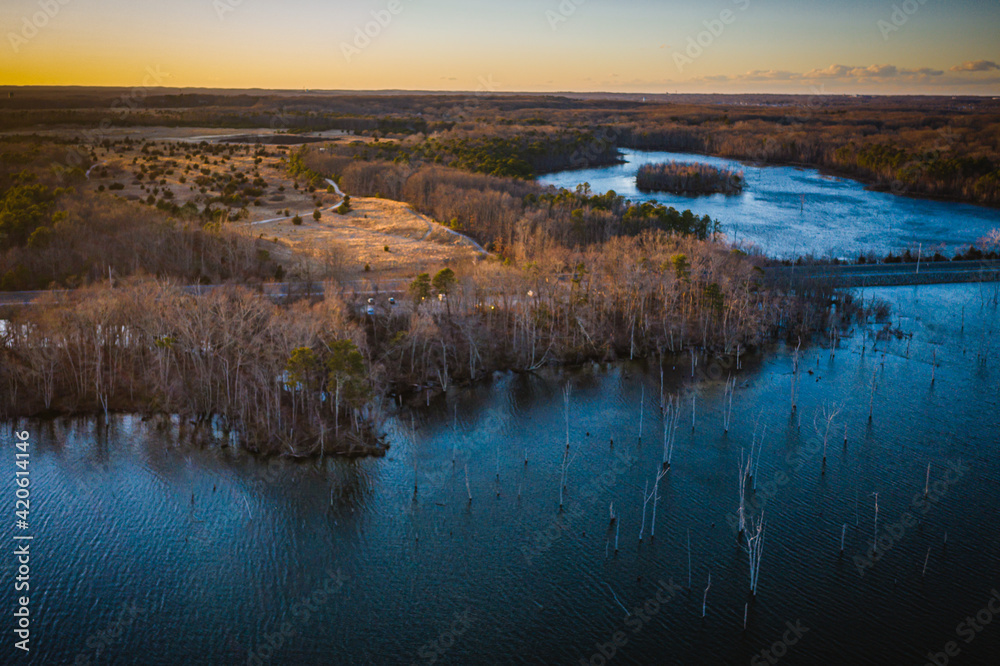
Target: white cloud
x=976 y=66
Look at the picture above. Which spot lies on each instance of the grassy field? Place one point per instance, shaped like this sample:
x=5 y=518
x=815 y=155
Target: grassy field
x=174 y=165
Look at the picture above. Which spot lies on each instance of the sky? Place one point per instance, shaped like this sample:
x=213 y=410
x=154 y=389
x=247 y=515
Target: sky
x=649 y=46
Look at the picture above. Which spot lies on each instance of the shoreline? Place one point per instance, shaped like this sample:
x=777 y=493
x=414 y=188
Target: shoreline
x=823 y=170
x=374 y=443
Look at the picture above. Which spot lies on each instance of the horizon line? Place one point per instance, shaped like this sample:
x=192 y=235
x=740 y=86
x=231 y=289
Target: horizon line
x=511 y=93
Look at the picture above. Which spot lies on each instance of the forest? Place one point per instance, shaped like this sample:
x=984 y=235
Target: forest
x=574 y=276
x=507 y=214
x=945 y=147
x=54 y=234
x=695 y=179
x=311 y=377
x=571 y=276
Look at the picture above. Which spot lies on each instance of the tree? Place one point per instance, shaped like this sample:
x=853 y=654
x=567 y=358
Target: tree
x=345 y=207
x=443 y=283
x=40 y=238
x=346 y=371
x=302 y=369
x=420 y=289
x=24 y=208
x=714 y=297
x=682 y=266
x=991 y=241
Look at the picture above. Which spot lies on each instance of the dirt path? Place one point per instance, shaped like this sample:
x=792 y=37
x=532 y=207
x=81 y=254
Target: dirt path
x=87 y=175
x=336 y=189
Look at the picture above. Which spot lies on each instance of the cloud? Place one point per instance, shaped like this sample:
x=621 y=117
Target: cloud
x=871 y=72
x=885 y=78
x=752 y=75
x=769 y=75
x=846 y=72
x=842 y=72
x=831 y=72
x=976 y=66
x=875 y=71
x=924 y=71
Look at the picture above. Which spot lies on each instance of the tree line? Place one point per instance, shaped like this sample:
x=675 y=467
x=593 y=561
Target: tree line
x=507 y=214
x=231 y=357
x=310 y=377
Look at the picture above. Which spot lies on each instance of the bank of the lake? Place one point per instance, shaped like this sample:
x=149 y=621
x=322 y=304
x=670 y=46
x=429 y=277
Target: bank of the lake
x=788 y=211
x=225 y=551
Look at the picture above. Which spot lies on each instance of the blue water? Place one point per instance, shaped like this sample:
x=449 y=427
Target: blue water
x=792 y=211
x=150 y=549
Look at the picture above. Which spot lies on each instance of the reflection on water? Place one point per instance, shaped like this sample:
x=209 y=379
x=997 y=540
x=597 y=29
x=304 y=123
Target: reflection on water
x=791 y=211
x=205 y=555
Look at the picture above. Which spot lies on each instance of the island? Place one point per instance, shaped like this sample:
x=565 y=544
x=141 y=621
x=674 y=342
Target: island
x=688 y=178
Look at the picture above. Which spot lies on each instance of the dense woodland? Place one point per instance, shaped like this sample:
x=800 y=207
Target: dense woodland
x=936 y=146
x=576 y=276
x=505 y=152
x=308 y=378
x=688 y=178
x=573 y=275
x=512 y=216
x=230 y=357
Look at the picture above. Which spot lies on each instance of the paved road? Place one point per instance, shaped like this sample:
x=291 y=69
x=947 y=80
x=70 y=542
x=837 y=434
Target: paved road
x=887 y=275
x=277 y=291
x=865 y=275
x=337 y=191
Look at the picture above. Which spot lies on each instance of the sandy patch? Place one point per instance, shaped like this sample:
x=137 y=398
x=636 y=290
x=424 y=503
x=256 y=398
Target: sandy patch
x=415 y=242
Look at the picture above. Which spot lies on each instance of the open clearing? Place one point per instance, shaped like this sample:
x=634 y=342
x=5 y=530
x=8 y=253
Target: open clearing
x=251 y=182
x=415 y=242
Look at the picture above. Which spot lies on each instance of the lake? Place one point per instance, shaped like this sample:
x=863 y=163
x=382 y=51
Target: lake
x=792 y=211
x=150 y=549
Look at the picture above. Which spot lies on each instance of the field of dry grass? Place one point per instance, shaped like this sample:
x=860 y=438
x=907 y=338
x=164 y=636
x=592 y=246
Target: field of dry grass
x=156 y=167
x=387 y=236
